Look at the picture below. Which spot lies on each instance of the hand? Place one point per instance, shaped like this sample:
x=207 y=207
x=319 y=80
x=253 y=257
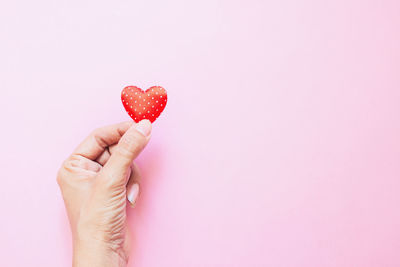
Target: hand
x=95 y=182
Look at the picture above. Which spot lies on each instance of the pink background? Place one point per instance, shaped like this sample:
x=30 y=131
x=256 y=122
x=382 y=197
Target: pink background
x=279 y=146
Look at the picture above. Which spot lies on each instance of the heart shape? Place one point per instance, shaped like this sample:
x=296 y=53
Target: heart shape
x=144 y=104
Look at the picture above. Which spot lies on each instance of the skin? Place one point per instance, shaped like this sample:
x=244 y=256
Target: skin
x=95 y=181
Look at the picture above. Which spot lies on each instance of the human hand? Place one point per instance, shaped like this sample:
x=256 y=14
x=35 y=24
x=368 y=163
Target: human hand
x=95 y=182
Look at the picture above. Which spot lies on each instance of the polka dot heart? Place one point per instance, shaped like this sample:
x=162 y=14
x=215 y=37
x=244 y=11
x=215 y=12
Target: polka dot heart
x=144 y=104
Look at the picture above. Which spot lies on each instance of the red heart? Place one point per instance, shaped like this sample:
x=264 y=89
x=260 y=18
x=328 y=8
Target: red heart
x=144 y=104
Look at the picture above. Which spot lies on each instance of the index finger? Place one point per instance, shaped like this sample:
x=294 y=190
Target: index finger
x=100 y=139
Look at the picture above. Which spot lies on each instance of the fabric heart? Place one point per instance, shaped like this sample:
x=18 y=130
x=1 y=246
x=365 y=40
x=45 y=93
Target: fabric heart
x=144 y=104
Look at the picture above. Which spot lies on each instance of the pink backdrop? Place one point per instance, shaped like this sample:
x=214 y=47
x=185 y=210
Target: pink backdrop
x=279 y=146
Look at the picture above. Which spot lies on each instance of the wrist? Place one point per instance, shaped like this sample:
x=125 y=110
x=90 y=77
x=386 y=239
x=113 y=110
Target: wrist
x=97 y=254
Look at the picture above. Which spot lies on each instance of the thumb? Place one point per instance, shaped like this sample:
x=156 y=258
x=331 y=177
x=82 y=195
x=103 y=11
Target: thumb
x=116 y=170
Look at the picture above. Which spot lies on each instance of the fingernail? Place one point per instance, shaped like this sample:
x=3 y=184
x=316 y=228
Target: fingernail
x=144 y=127
x=133 y=194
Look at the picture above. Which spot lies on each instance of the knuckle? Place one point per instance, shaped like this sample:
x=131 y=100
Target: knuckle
x=71 y=163
x=61 y=175
x=67 y=168
x=97 y=135
x=59 y=179
x=74 y=158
